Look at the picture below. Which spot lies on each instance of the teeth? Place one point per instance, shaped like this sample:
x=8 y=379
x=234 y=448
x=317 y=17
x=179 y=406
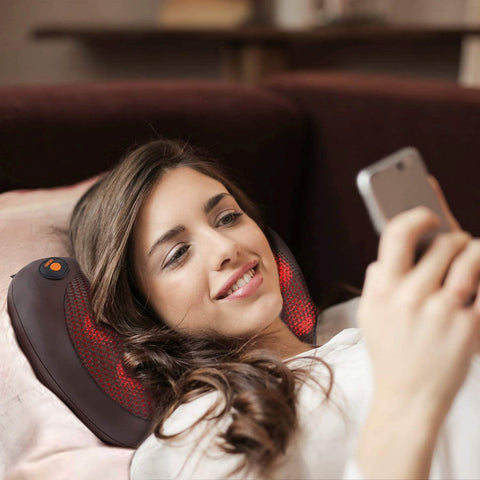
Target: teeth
x=242 y=281
x=247 y=278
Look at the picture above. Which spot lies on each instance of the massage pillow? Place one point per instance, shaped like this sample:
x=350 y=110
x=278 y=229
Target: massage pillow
x=81 y=360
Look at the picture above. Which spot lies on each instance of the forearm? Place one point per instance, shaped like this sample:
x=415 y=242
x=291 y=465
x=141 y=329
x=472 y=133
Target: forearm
x=398 y=441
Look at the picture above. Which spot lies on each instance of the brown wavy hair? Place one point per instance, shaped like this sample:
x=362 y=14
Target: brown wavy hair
x=256 y=387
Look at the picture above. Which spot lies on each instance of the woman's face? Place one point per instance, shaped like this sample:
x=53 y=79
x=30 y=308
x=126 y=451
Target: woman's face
x=200 y=261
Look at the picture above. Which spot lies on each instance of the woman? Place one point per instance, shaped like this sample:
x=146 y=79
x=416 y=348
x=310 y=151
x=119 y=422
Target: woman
x=182 y=269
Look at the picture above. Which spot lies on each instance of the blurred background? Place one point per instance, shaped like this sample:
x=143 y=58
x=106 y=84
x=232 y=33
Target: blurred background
x=58 y=41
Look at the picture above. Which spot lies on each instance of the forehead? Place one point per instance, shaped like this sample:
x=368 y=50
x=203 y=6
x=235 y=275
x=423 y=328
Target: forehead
x=178 y=192
x=182 y=185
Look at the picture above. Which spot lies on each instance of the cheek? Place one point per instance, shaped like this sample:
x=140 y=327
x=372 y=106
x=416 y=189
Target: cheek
x=263 y=248
x=174 y=299
x=255 y=240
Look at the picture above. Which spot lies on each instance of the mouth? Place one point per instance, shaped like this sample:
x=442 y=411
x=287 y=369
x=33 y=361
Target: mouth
x=242 y=284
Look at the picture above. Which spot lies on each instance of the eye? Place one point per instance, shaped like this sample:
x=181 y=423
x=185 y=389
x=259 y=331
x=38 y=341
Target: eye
x=231 y=218
x=177 y=256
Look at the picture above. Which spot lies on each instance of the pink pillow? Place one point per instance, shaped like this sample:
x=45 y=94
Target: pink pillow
x=34 y=224
x=41 y=437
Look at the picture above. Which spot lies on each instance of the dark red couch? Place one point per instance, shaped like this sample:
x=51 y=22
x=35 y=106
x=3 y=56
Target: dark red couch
x=297 y=141
x=353 y=120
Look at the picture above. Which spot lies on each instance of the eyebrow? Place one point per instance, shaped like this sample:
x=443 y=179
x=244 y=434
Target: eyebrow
x=214 y=201
x=178 y=229
x=166 y=237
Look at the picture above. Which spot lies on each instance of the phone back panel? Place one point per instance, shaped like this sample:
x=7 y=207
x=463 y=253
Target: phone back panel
x=397 y=183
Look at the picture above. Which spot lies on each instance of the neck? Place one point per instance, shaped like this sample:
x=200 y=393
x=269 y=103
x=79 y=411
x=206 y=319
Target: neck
x=283 y=341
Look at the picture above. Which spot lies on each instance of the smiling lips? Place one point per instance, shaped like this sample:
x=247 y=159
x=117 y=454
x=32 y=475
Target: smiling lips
x=242 y=283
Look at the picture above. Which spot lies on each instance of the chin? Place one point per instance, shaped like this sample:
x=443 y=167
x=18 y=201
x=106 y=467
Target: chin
x=267 y=313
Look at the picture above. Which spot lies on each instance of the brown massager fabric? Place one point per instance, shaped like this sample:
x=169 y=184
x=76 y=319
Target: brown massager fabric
x=81 y=360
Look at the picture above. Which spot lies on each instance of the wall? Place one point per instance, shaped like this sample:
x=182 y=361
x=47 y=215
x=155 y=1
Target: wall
x=26 y=60
x=438 y=12
x=469 y=74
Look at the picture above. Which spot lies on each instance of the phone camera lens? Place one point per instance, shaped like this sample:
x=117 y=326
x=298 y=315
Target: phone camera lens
x=400 y=166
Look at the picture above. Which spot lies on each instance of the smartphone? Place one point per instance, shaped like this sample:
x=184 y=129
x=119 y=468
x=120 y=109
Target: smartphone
x=397 y=183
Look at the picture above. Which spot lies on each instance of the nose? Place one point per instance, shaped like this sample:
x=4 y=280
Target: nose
x=221 y=249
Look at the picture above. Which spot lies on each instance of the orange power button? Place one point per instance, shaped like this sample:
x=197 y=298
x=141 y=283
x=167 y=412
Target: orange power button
x=54 y=268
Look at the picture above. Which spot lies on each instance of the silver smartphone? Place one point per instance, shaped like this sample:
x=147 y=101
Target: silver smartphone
x=396 y=183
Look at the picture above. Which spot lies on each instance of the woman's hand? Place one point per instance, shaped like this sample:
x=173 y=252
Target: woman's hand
x=414 y=316
x=421 y=338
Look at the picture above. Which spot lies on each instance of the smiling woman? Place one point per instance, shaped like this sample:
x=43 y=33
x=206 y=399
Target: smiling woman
x=179 y=265
x=203 y=263
x=182 y=269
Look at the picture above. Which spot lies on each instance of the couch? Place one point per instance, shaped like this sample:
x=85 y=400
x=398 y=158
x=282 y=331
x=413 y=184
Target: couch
x=296 y=142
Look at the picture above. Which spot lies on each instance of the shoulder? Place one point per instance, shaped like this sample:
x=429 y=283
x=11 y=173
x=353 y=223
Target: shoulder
x=189 y=413
x=341 y=366
x=194 y=454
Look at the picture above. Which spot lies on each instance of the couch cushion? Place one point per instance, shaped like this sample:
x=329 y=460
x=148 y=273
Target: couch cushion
x=354 y=120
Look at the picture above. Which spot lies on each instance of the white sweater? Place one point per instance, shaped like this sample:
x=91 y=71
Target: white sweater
x=323 y=444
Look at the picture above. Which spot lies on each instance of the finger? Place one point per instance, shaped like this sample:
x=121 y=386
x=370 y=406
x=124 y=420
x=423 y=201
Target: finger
x=376 y=283
x=463 y=277
x=430 y=272
x=452 y=221
x=396 y=251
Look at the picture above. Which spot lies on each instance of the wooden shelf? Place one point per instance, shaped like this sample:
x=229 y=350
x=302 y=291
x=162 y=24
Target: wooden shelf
x=250 y=53
x=253 y=34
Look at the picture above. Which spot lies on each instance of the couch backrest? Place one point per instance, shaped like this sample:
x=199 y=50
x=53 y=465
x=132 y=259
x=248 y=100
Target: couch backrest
x=56 y=135
x=297 y=142
x=354 y=120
